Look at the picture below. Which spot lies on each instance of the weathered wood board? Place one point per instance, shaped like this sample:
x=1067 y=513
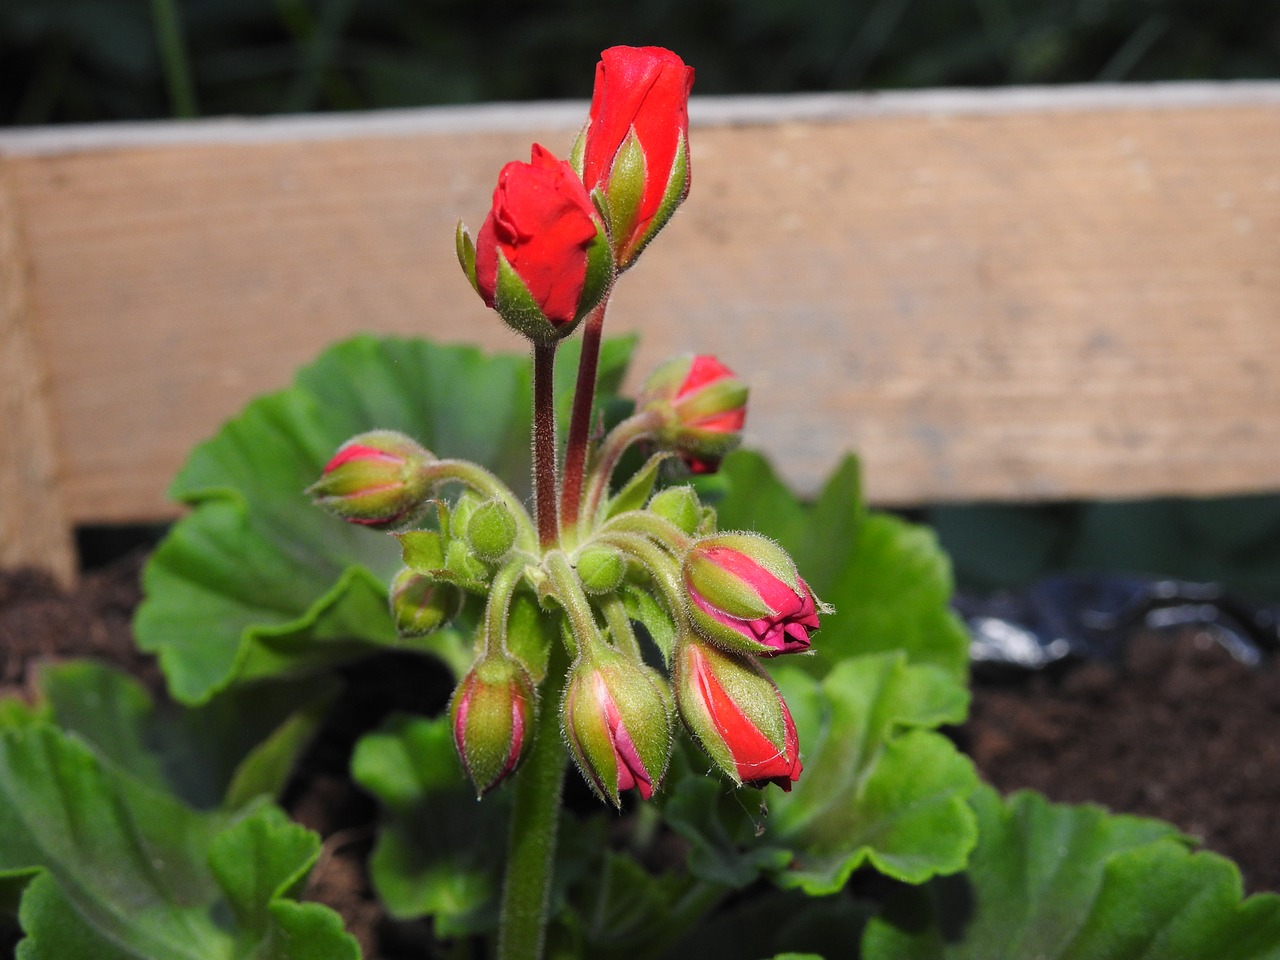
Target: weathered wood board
x=1009 y=295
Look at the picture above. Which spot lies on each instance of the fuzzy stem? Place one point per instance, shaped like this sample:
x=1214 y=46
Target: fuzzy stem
x=487 y=485
x=544 y=442
x=573 y=600
x=621 y=437
x=535 y=819
x=498 y=606
x=584 y=395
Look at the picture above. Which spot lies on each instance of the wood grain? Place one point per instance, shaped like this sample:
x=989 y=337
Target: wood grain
x=34 y=528
x=1004 y=296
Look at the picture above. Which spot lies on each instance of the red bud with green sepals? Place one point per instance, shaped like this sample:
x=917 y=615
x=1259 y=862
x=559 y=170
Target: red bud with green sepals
x=542 y=258
x=737 y=714
x=702 y=405
x=634 y=152
x=617 y=723
x=492 y=714
x=377 y=479
x=746 y=595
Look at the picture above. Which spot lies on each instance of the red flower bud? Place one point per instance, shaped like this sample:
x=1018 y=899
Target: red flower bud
x=541 y=259
x=746 y=595
x=376 y=479
x=635 y=148
x=703 y=406
x=617 y=724
x=737 y=714
x=492 y=713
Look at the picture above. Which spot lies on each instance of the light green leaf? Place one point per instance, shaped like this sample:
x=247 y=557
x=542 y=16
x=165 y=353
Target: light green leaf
x=440 y=851
x=238 y=746
x=109 y=868
x=878 y=786
x=1058 y=882
x=256 y=582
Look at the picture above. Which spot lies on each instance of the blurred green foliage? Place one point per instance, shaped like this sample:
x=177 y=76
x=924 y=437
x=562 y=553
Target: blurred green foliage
x=85 y=60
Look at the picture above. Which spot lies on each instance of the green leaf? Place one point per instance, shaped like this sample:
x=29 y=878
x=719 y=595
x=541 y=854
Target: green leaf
x=1058 y=882
x=256 y=582
x=878 y=786
x=635 y=493
x=109 y=868
x=238 y=746
x=439 y=852
x=888 y=580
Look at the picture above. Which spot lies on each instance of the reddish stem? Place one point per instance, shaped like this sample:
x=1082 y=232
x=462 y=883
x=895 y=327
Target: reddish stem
x=544 y=442
x=584 y=395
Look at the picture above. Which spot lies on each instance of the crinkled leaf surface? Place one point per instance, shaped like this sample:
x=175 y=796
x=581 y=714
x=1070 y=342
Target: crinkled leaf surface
x=238 y=746
x=1058 y=882
x=110 y=868
x=879 y=786
x=256 y=582
x=888 y=580
x=440 y=851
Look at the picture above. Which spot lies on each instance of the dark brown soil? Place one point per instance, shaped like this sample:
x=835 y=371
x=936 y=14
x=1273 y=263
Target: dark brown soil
x=1180 y=731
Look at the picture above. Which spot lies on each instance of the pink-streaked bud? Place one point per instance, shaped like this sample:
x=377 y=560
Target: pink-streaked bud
x=376 y=479
x=617 y=723
x=703 y=406
x=737 y=714
x=746 y=595
x=492 y=714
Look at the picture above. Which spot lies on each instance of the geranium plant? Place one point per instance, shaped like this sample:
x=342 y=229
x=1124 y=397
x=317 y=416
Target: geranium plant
x=749 y=686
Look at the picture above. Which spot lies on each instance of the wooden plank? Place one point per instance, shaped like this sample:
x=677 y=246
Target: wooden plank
x=1010 y=295
x=34 y=527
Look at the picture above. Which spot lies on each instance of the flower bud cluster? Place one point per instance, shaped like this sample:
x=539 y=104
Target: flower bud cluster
x=715 y=605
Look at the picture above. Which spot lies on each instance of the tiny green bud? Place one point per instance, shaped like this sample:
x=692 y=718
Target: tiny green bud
x=601 y=568
x=491 y=530
x=420 y=604
x=680 y=505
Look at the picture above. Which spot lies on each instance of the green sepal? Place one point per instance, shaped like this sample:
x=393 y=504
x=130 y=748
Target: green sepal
x=466 y=254
x=422 y=551
x=520 y=311
x=672 y=197
x=625 y=190
x=578 y=153
x=599 y=276
x=643 y=608
x=427 y=553
x=718 y=397
x=637 y=490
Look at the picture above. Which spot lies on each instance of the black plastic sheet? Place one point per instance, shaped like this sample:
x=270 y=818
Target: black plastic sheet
x=1083 y=616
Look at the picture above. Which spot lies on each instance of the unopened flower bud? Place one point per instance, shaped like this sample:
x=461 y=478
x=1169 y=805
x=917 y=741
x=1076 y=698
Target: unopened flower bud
x=420 y=604
x=737 y=714
x=680 y=505
x=376 y=479
x=542 y=258
x=634 y=152
x=617 y=724
x=746 y=596
x=703 y=406
x=492 y=715
x=491 y=530
x=600 y=568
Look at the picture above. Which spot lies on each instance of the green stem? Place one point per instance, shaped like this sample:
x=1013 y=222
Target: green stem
x=615 y=444
x=498 y=604
x=624 y=637
x=544 y=443
x=535 y=821
x=573 y=599
x=584 y=395
x=173 y=54
x=650 y=525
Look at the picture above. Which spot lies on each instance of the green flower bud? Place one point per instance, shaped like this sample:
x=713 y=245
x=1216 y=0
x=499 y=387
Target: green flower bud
x=680 y=505
x=492 y=714
x=617 y=723
x=420 y=604
x=491 y=530
x=601 y=568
